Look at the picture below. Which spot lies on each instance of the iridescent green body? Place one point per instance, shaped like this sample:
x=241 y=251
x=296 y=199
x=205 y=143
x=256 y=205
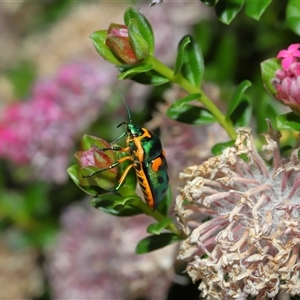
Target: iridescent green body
x=149 y=163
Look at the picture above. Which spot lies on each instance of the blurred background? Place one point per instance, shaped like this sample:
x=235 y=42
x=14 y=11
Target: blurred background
x=54 y=88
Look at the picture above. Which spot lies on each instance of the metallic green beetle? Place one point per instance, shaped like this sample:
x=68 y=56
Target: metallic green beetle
x=148 y=160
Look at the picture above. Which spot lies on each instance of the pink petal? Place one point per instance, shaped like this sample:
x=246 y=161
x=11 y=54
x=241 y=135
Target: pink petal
x=295 y=68
x=280 y=74
x=295 y=91
x=285 y=88
x=286 y=62
x=296 y=53
x=282 y=54
x=293 y=47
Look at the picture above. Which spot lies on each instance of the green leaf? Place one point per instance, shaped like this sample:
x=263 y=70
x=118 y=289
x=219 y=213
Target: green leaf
x=144 y=26
x=268 y=69
x=203 y=33
x=154 y=242
x=255 y=9
x=226 y=51
x=237 y=97
x=134 y=71
x=293 y=15
x=13 y=207
x=138 y=43
x=164 y=206
x=151 y=77
x=36 y=199
x=181 y=102
x=241 y=117
x=264 y=109
x=43 y=234
x=192 y=66
x=210 y=2
x=98 y=38
x=157 y=228
x=89 y=189
x=21 y=76
x=190 y=114
x=142 y=74
x=180 y=55
x=289 y=121
x=227 y=10
x=220 y=147
x=117 y=205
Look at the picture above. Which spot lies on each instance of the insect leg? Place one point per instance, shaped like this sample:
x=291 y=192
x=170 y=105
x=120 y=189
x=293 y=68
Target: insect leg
x=122 y=178
x=113 y=148
x=121 y=136
x=109 y=167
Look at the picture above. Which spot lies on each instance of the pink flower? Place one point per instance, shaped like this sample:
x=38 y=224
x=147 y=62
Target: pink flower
x=287 y=84
x=289 y=56
x=42 y=131
x=94 y=258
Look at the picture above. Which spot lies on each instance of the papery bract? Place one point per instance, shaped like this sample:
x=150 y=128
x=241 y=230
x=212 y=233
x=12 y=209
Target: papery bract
x=241 y=216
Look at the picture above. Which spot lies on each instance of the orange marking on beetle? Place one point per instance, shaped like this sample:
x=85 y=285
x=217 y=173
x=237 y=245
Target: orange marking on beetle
x=137 y=141
x=140 y=150
x=124 y=149
x=124 y=175
x=145 y=187
x=124 y=159
x=145 y=134
x=156 y=163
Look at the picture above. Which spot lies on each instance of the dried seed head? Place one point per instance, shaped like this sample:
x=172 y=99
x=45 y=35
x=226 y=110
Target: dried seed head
x=242 y=218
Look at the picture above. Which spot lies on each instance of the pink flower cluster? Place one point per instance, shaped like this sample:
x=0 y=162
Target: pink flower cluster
x=287 y=80
x=42 y=130
x=292 y=54
x=94 y=258
x=287 y=84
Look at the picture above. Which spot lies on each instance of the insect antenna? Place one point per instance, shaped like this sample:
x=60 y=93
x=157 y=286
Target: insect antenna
x=127 y=108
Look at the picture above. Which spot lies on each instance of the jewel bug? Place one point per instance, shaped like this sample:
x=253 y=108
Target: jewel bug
x=148 y=160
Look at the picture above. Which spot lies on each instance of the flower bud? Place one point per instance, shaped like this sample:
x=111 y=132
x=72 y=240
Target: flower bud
x=86 y=158
x=118 y=41
x=91 y=159
x=287 y=85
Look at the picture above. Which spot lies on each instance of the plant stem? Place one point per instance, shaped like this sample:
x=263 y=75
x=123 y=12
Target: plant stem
x=188 y=87
x=158 y=217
